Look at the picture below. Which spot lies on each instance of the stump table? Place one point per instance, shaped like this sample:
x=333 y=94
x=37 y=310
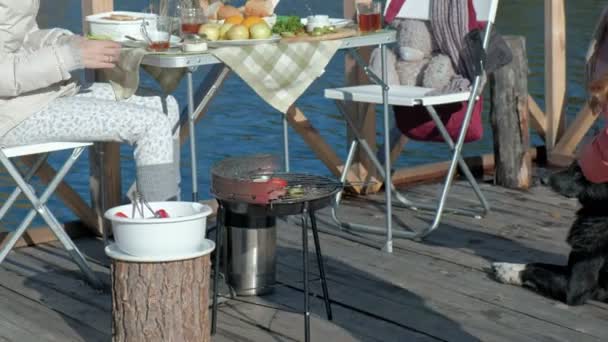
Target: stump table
x=160 y=300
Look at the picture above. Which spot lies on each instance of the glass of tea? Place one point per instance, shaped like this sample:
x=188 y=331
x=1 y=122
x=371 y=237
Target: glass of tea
x=369 y=16
x=157 y=32
x=191 y=19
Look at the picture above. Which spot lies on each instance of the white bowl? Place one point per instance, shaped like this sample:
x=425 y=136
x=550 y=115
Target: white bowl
x=182 y=233
x=99 y=25
x=315 y=21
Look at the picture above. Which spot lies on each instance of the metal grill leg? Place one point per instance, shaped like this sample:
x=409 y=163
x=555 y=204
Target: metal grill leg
x=216 y=265
x=315 y=233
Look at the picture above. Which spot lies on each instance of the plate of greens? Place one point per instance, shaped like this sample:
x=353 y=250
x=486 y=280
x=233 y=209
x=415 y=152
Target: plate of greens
x=288 y=26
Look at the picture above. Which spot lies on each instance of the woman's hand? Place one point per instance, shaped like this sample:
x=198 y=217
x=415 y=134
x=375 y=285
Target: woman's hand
x=99 y=54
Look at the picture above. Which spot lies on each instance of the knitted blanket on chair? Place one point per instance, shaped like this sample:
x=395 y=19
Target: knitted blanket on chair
x=450 y=23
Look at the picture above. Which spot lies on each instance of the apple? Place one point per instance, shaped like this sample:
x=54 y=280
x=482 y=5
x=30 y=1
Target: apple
x=224 y=29
x=238 y=32
x=210 y=31
x=260 y=31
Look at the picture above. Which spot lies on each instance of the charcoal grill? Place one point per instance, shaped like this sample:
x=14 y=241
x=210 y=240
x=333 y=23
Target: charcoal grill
x=258 y=195
x=251 y=186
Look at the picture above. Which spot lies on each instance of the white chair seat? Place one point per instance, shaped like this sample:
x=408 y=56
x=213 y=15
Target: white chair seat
x=25 y=150
x=397 y=95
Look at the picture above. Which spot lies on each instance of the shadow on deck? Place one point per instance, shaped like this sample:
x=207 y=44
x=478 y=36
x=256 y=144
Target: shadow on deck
x=435 y=290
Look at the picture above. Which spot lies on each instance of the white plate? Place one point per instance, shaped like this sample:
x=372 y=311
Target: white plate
x=336 y=22
x=220 y=43
x=113 y=252
x=175 y=42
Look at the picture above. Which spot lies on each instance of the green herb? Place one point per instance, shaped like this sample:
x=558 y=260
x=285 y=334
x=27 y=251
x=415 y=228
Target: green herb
x=290 y=23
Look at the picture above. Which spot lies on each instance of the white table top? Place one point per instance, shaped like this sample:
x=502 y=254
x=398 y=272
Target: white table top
x=181 y=60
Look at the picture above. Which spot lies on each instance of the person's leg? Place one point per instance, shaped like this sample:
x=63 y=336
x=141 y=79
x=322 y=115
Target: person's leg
x=148 y=98
x=83 y=118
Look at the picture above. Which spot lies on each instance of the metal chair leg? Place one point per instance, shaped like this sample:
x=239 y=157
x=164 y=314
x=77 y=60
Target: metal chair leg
x=39 y=207
x=401 y=200
x=216 y=266
x=315 y=234
x=305 y=262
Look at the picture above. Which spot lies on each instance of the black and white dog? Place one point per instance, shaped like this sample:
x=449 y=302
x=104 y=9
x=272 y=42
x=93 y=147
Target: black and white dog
x=586 y=275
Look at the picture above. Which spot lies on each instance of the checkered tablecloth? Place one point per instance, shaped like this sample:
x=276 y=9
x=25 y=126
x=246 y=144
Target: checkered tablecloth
x=279 y=73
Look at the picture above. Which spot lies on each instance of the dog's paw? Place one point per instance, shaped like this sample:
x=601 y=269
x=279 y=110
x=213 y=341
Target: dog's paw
x=508 y=273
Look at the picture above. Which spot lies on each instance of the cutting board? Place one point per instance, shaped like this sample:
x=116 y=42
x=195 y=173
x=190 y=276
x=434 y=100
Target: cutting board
x=339 y=34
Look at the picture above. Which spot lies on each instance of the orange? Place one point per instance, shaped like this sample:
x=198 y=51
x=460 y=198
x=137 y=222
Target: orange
x=252 y=20
x=235 y=20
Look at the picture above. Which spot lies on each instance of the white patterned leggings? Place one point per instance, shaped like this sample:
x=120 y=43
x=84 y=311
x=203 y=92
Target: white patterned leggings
x=94 y=115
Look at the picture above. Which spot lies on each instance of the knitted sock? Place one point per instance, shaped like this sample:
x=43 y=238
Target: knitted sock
x=157 y=182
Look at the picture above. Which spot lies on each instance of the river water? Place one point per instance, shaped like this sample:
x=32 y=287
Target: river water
x=238 y=122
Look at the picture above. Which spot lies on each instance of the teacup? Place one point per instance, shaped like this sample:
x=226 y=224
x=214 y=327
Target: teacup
x=157 y=32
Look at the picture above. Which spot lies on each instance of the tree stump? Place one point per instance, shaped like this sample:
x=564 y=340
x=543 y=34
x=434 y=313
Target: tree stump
x=166 y=301
x=509 y=115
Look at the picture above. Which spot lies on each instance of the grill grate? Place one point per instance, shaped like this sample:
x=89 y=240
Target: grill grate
x=300 y=188
x=305 y=187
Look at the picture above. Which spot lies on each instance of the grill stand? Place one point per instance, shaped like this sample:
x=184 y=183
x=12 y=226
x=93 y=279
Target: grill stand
x=305 y=212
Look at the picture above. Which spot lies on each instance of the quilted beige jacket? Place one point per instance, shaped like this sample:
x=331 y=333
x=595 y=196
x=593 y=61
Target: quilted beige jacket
x=35 y=64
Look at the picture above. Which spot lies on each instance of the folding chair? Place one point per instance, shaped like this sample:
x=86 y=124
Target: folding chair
x=381 y=93
x=40 y=203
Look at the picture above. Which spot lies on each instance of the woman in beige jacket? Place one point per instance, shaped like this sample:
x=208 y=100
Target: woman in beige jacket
x=40 y=102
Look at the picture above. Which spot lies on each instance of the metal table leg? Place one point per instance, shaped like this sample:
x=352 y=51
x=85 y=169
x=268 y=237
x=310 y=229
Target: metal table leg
x=285 y=142
x=191 y=120
x=216 y=265
x=388 y=246
x=321 y=264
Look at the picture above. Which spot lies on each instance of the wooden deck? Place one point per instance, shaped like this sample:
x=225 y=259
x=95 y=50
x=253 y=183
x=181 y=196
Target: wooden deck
x=436 y=290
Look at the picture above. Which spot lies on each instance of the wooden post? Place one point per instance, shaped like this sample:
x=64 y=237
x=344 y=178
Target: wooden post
x=510 y=124
x=555 y=70
x=109 y=152
x=363 y=114
x=94 y=6
x=161 y=301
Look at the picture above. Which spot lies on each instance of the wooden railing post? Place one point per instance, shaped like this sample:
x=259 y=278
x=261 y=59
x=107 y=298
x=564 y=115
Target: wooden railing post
x=108 y=152
x=555 y=70
x=363 y=114
x=509 y=117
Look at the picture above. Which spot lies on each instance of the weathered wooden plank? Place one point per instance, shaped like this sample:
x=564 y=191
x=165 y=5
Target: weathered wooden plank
x=358 y=324
x=437 y=171
x=371 y=278
x=48 y=267
x=71 y=301
x=39 y=235
x=22 y=319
